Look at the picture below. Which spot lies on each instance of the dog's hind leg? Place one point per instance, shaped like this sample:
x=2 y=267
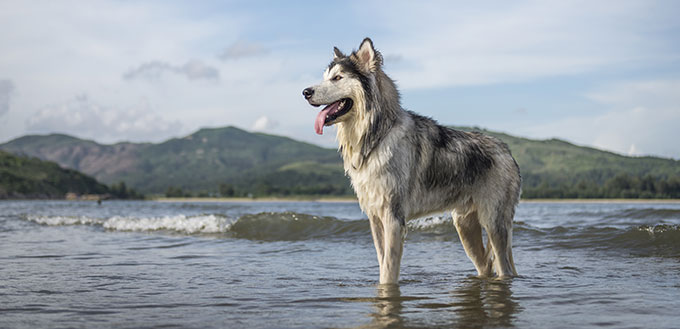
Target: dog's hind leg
x=470 y=234
x=394 y=234
x=500 y=240
x=512 y=261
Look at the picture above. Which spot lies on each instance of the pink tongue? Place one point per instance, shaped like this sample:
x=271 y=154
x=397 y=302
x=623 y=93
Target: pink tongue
x=321 y=117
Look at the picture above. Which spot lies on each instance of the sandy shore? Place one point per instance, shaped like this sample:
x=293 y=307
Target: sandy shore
x=600 y=201
x=266 y=199
x=353 y=199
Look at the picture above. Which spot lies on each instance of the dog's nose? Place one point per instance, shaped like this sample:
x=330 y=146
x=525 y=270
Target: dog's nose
x=308 y=92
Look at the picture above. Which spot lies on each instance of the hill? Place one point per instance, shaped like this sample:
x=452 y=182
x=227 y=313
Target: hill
x=233 y=162
x=558 y=169
x=24 y=177
x=227 y=159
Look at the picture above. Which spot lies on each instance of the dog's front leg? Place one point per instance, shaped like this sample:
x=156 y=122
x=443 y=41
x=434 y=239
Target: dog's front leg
x=394 y=233
x=377 y=231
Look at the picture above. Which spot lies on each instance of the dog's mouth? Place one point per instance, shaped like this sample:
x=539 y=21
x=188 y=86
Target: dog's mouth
x=331 y=113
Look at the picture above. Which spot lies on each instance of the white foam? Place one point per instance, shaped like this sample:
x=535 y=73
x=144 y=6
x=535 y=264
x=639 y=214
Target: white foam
x=178 y=223
x=425 y=223
x=63 y=220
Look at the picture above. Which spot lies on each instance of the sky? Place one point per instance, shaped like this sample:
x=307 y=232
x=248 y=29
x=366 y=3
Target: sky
x=604 y=74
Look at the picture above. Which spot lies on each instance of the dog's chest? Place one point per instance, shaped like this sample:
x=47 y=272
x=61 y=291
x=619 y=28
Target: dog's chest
x=372 y=184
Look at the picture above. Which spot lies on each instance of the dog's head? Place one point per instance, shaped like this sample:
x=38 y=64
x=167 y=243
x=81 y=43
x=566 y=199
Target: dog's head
x=345 y=84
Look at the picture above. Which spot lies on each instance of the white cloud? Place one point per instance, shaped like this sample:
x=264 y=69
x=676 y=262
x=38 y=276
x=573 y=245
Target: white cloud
x=264 y=124
x=90 y=46
x=650 y=93
x=642 y=119
x=267 y=62
x=6 y=89
x=454 y=44
x=193 y=70
x=639 y=131
x=242 y=49
x=85 y=118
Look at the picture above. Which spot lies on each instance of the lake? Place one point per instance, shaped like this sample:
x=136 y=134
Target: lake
x=313 y=265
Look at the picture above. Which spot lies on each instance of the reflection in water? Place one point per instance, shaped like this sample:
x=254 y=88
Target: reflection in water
x=485 y=303
x=477 y=303
x=388 y=307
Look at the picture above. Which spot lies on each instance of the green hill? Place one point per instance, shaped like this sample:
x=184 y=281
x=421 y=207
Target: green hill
x=24 y=177
x=252 y=163
x=239 y=162
x=558 y=169
x=233 y=162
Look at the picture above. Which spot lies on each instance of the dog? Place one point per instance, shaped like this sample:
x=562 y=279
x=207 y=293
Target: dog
x=403 y=165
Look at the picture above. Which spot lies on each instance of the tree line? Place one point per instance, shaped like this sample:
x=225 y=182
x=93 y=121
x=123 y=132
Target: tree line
x=621 y=186
x=263 y=189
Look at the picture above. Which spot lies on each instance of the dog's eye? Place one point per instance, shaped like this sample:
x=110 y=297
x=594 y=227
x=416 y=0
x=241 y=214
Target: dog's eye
x=336 y=78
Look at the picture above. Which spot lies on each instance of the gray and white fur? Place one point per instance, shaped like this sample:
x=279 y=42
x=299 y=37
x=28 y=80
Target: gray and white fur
x=403 y=165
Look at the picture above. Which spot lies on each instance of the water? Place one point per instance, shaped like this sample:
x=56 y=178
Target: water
x=313 y=265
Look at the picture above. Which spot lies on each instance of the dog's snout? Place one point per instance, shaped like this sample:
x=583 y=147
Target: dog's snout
x=308 y=92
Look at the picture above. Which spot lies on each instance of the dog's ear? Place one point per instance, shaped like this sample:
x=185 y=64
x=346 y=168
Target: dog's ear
x=367 y=57
x=337 y=53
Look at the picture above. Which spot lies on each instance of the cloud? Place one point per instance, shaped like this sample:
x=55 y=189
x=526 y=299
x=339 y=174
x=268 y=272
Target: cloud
x=647 y=93
x=83 y=117
x=641 y=119
x=109 y=49
x=6 y=89
x=392 y=58
x=264 y=123
x=452 y=44
x=192 y=70
x=241 y=49
x=638 y=131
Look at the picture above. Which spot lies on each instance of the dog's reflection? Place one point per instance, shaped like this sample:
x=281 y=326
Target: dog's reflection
x=388 y=307
x=485 y=303
x=477 y=303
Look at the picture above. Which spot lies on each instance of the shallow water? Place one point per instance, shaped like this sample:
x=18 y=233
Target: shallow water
x=313 y=265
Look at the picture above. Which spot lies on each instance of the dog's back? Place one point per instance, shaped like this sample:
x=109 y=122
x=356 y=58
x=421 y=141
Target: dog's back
x=403 y=165
x=435 y=168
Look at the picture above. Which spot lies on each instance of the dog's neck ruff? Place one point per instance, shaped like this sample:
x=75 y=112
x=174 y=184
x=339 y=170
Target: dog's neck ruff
x=350 y=134
x=359 y=136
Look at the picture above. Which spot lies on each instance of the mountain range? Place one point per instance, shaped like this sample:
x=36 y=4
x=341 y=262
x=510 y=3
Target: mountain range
x=24 y=177
x=233 y=162
x=252 y=163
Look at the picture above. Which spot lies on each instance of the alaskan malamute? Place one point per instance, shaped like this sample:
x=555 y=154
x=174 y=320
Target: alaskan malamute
x=404 y=165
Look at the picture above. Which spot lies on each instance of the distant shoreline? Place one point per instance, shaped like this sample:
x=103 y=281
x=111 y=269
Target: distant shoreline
x=600 y=201
x=345 y=200
x=263 y=199
x=354 y=200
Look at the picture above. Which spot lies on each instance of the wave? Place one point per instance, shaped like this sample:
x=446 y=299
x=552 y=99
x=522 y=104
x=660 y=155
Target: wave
x=643 y=240
x=266 y=226
x=635 y=213
x=647 y=213
x=652 y=240
x=287 y=226
x=179 y=223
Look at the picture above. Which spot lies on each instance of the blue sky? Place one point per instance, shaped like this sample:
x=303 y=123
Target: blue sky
x=596 y=73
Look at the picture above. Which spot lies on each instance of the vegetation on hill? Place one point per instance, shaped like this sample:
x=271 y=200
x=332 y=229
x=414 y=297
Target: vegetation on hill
x=32 y=178
x=252 y=164
x=558 y=169
x=233 y=162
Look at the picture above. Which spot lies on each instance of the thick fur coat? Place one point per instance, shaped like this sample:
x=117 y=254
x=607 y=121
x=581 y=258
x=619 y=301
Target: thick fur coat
x=403 y=165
